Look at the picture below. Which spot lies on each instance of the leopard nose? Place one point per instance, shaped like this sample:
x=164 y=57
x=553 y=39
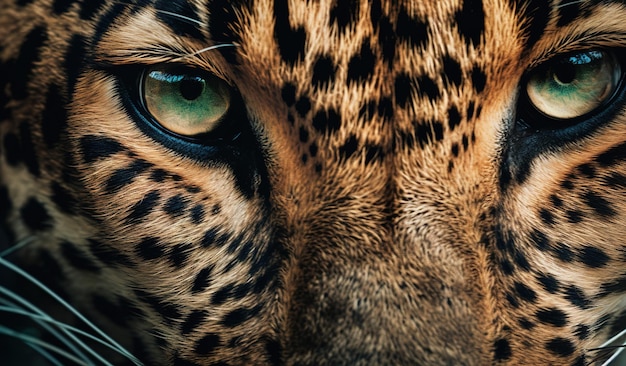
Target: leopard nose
x=380 y=307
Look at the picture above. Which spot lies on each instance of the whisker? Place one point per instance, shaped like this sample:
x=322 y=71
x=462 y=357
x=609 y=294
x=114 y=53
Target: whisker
x=56 y=323
x=166 y=12
x=66 y=305
x=610 y=346
x=181 y=57
x=64 y=340
x=38 y=342
x=21 y=244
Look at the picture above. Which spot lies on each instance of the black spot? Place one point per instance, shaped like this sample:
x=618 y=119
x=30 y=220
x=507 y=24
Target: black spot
x=149 y=248
x=63 y=198
x=614 y=155
x=222 y=295
x=158 y=175
x=599 y=204
x=345 y=13
x=239 y=315
x=35 y=215
x=54 y=117
x=454 y=118
x=323 y=71
x=29 y=154
x=593 y=257
x=361 y=65
x=193 y=189
x=291 y=42
x=25 y=62
x=507 y=267
x=209 y=238
x=303 y=106
x=525 y=292
x=144 y=207
x=374 y=152
x=385 y=108
x=61 y=6
x=193 y=321
x=560 y=346
x=167 y=310
x=202 y=280
x=556 y=201
x=176 y=205
x=512 y=300
x=98 y=147
x=411 y=30
x=424 y=133
x=304 y=134
x=479 y=79
x=452 y=72
x=74 y=60
x=563 y=252
x=520 y=260
x=349 y=147
x=546 y=216
x=502 y=350
x=184 y=27
x=387 y=40
x=613 y=287
x=288 y=93
x=552 y=316
x=582 y=331
x=573 y=216
x=403 y=89
x=615 y=180
x=197 y=214
x=526 y=324
x=470 y=21
x=577 y=297
x=587 y=170
x=549 y=283
x=428 y=88
x=313 y=149
x=327 y=121
x=540 y=240
x=78 y=258
x=125 y=176
x=179 y=254
x=207 y=344
x=109 y=255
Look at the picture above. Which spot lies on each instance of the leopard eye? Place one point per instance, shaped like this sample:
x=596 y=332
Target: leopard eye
x=574 y=85
x=184 y=101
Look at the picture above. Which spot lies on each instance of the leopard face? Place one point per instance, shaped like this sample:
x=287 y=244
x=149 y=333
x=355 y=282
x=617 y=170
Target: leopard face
x=322 y=182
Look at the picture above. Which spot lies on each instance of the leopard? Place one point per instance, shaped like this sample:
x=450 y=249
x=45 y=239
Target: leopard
x=320 y=182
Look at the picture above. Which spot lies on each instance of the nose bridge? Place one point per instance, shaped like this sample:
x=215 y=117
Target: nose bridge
x=377 y=248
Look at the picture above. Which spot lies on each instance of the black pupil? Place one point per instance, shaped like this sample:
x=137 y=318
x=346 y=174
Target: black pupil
x=565 y=73
x=191 y=88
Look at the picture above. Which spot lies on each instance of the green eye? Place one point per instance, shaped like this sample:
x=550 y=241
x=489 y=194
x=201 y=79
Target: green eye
x=184 y=101
x=574 y=85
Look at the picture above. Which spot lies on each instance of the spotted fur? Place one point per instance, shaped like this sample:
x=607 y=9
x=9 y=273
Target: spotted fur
x=388 y=198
